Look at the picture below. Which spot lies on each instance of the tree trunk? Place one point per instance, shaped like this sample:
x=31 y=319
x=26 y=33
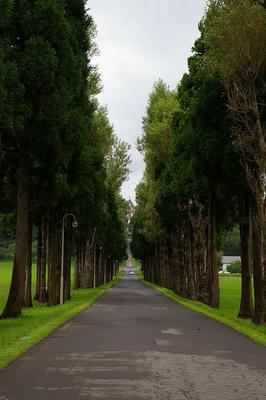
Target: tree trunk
x=104 y=269
x=264 y=257
x=82 y=265
x=97 y=271
x=171 y=264
x=151 y=268
x=85 y=282
x=191 y=293
x=201 y=272
x=181 y=262
x=257 y=239
x=94 y=266
x=174 y=262
x=167 y=264
x=246 y=281
x=155 y=265
x=55 y=262
x=77 y=266
x=28 y=272
x=160 y=264
x=251 y=139
x=163 y=265
x=198 y=232
x=213 y=273
x=91 y=266
x=15 y=299
x=67 y=261
x=41 y=291
x=144 y=268
x=193 y=266
x=110 y=268
x=39 y=249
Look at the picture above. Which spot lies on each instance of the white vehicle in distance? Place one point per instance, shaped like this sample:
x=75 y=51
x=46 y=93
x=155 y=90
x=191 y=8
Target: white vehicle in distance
x=130 y=270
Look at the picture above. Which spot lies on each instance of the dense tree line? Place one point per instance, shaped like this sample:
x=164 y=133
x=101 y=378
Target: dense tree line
x=204 y=149
x=59 y=157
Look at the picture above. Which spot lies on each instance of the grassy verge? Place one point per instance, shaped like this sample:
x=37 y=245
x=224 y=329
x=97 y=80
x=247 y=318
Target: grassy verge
x=227 y=314
x=18 y=335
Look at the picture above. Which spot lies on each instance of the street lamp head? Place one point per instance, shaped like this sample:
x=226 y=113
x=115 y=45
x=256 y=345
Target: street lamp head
x=75 y=224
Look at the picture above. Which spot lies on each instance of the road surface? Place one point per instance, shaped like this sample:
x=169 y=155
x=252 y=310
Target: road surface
x=135 y=344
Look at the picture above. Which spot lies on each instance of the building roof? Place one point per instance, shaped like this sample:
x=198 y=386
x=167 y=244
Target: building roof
x=130 y=203
x=230 y=259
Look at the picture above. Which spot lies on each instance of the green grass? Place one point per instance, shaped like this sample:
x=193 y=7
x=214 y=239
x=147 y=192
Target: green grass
x=230 y=287
x=18 y=335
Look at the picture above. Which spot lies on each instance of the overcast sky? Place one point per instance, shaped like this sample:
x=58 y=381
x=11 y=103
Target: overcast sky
x=141 y=41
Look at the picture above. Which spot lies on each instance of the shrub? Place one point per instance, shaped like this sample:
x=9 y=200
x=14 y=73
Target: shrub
x=234 y=267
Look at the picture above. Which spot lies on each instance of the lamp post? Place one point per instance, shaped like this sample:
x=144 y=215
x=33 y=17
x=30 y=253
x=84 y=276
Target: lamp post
x=75 y=225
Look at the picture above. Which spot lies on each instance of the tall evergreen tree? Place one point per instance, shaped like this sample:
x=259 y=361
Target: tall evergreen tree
x=240 y=56
x=49 y=53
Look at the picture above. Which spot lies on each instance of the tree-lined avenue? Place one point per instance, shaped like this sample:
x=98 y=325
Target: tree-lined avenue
x=134 y=344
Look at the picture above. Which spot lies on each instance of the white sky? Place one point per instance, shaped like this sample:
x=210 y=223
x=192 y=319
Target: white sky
x=141 y=41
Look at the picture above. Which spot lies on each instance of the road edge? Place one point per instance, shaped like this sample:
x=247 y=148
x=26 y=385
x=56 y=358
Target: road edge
x=233 y=323
x=43 y=333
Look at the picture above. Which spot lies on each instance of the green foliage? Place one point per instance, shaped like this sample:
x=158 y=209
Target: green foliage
x=234 y=267
x=235 y=32
x=157 y=128
x=117 y=163
x=50 y=115
x=192 y=180
x=7 y=236
x=188 y=153
x=154 y=144
x=48 y=103
x=230 y=242
x=114 y=234
x=142 y=235
x=203 y=132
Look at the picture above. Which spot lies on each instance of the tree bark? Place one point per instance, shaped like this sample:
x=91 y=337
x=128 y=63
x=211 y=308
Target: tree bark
x=83 y=266
x=55 y=262
x=257 y=240
x=191 y=293
x=86 y=265
x=110 y=268
x=181 y=262
x=167 y=264
x=77 y=266
x=67 y=261
x=144 y=268
x=41 y=290
x=15 y=301
x=213 y=273
x=264 y=257
x=198 y=222
x=246 y=308
x=175 y=262
x=28 y=273
x=39 y=249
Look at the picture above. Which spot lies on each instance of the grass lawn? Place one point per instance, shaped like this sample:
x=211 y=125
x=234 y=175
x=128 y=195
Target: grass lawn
x=227 y=314
x=18 y=335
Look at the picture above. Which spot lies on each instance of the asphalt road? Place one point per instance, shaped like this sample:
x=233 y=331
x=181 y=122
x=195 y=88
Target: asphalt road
x=136 y=344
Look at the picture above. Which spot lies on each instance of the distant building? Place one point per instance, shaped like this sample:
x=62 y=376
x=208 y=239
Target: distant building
x=130 y=210
x=227 y=260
